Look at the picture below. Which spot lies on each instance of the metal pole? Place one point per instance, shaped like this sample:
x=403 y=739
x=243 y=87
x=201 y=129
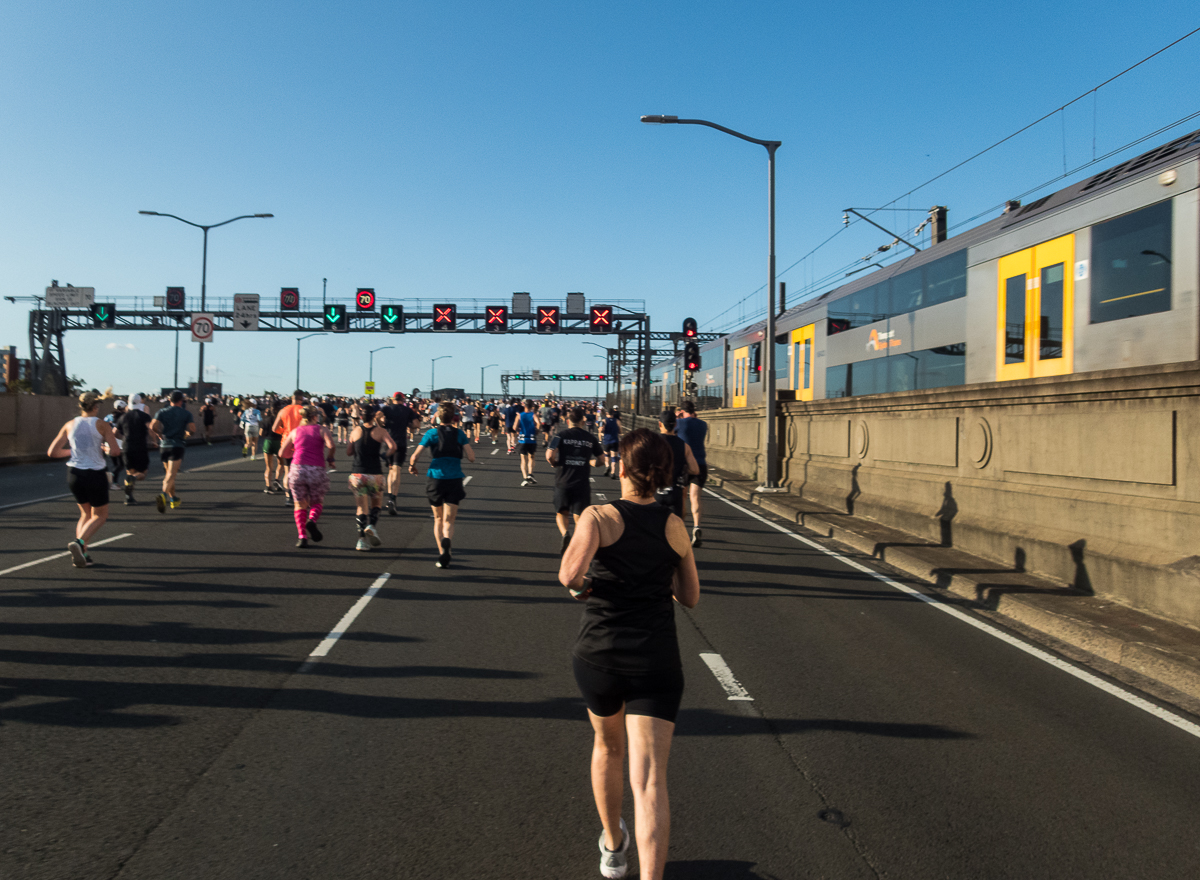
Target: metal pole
x=176 y=357
x=324 y=282
x=371 y=368
x=298 y=341
x=772 y=469
x=203 y=288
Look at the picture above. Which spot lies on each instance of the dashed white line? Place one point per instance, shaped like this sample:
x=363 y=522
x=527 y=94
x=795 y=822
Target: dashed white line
x=1046 y=657
x=494 y=451
x=468 y=479
x=36 y=501
x=61 y=555
x=344 y=624
x=725 y=677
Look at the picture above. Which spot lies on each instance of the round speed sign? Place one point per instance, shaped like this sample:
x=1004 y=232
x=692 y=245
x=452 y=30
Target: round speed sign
x=202 y=328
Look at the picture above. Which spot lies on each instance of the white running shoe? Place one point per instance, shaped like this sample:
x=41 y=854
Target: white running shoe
x=371 y=535
x=362 y=544
x=615 y=864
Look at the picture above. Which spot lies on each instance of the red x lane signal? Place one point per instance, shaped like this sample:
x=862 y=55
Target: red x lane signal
x=548 y=319
x=497 y=319
x=445 y=317
x=600 y=319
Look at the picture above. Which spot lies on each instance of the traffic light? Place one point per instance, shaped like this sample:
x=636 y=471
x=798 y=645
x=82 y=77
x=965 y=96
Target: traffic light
x=175 y=299
x=289 y=299
x=691 y=357
x=334 y=318
x=689 y=328
x=364 y=299
x=445 y=317
x=104 y=315
x=497 y=319
x=548 y=319
x=391 y=319
x=600 y=319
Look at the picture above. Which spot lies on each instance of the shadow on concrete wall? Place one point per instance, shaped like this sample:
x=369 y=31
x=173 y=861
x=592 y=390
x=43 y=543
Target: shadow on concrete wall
x=1082 y=581
x=946 y=514
x=855 y=490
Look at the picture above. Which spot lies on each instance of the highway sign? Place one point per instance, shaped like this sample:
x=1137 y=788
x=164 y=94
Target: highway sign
x=175 y=299
x=245 y=311
x=202 y=327
x=369 y=388
x=70 y=297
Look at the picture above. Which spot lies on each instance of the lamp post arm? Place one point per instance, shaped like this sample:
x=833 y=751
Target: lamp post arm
x=768 y=144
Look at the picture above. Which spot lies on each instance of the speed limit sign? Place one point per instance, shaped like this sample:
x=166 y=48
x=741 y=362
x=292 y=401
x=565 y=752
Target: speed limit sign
x=202 y=327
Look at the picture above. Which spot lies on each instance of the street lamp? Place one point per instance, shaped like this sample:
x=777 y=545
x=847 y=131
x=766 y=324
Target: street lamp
x=432 y=365
x=481 y=386
x=204 y=276
x=604 y=358
x=298 y=341
x=770 y=484
x=371 y=362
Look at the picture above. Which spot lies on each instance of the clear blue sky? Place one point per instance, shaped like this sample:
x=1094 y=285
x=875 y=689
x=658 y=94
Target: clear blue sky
x=478 y=148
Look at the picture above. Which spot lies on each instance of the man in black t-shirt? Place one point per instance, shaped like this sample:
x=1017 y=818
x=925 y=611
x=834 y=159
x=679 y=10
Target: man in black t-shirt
x=573 y=452
x=134 y=426
x=397 y=418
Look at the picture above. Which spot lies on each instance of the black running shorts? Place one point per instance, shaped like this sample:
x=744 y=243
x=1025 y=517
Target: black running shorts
x=575 y=499
x=610 y=445
x=700 y=479
x=441 y=492
x=527 y=448
x=171 y=453
x=396 y=460
x=657 y=694
x=137 y=459
x=88 y=487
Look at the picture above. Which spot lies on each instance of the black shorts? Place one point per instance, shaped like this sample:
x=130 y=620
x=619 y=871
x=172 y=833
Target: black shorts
x=700 y=479
x=286 y=462
x=441 y=492
x=610 y=445
x=396 y=460
x=137 y=459
x=672 y=498
x=527 y=448
x=88 y=487
x=657 y=694
x=575 y=499
x=171 y=453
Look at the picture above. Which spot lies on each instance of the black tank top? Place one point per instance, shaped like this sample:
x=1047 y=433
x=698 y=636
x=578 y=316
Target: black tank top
x=446 y=444
x=628 y=625
x=366 y=455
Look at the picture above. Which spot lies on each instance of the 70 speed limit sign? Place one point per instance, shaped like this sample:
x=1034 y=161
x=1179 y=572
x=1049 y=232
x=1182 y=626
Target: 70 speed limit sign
x=202 y=327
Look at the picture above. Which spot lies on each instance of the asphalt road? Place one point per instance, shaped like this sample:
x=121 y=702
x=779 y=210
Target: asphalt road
x=160 y=716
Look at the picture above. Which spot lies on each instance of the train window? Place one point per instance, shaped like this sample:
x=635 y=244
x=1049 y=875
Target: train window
x=1051 y=334
x=946 y=279
x=941 y=367
x=808 y=347
x=837 y=381
x=756 y=363
x=906 y=292
x=1014 y=319
x=1131 y=264
x=781 y=360
x=861 y=307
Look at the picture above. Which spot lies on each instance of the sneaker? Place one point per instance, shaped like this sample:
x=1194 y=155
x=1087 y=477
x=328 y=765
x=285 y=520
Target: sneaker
x=695 y=537
x=129 y=502
x=525 y=482
x=302 y=543
x=160 y=501
x=564 y=543
x=78 y=556
x=371 y=535
x=615 y=864
x=443 y=561
x=446 y=548
x=313 y=531
x=176 y=501
x=87 y=560
x=268 y=491
x=277 y=486
x=362 y=544
x=245 y=452
x=391 y=509
x=607 y=471
x=113 y=486
x=532 y=480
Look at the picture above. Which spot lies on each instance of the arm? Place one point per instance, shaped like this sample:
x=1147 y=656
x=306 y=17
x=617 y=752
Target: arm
x=693 y=467
x=579 y=555
x=686 y=582
x=286 y=450
x=108 y=435
x=386 y=439
x=412 y=462
x=190 y=430
x=354 y=436
x=59 y=446
x=469 y=450
x=156 y=430
x=552 y=454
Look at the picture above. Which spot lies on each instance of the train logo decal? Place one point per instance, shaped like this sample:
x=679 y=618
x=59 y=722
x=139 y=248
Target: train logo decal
x=880 y=341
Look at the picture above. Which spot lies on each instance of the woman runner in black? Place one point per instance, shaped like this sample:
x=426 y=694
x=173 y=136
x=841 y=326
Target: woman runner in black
x=366 y=477
x=626 y=657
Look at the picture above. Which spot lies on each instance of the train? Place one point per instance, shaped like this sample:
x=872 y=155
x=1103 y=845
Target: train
x=1100 y=275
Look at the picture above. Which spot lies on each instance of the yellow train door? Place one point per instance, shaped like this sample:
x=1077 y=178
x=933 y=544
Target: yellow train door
x=1036 y=308
x=802 y=361
x=741 y=375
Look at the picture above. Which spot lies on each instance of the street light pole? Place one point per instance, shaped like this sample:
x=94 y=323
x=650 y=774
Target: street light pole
x=481 y=385
x=203 y=274
x=298 y=341
x=771 y=483
x=432 y=366
x=371 y=368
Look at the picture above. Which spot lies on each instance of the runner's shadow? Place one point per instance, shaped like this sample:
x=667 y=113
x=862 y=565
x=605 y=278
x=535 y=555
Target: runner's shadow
x=713 y=869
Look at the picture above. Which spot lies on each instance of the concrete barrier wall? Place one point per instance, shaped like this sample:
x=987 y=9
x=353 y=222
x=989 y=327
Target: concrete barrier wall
x=1092 y=479
x=28 y=422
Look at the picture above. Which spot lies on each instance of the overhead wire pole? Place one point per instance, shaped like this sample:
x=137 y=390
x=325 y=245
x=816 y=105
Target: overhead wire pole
x=771 y=481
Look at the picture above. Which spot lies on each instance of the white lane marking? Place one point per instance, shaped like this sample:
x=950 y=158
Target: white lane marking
x=36 y=501
x=61 y=555
x=725 y=677
x=468 y=479
x=1046 y=657
x=494 y=451
x=601 y=496
x=591 y=479
x=205 y=467
x=344 y=624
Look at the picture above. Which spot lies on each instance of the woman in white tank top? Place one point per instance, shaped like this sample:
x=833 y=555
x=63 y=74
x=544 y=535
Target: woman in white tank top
x=80 y=440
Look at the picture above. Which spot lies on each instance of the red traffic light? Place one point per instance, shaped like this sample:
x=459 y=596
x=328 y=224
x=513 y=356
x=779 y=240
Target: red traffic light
x=547 y=319
x=600 y=319
x=364 y=299
x=689 y=327
x=289 y=299
x=497 y=319
x=445 y=317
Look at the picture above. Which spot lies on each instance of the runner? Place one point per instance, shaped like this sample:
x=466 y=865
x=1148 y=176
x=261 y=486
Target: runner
x=134 y=425
x=366 y=477
x=694 y=432
x=626 y=657
x=546 y=419
x=271 y=443
x=493 y=421
x=683 y=465
x=287 y=421
x=251 y=422
x=343 y=422
x=80 y=440
x=447 y=444
x=573 y=482
x=526 y=431
x=116 y=455
x=609 y=439
x=511 y=413
x=398 y=417
x=209 y=415
x=172 y=425
x=311 y=446
x=470 y=423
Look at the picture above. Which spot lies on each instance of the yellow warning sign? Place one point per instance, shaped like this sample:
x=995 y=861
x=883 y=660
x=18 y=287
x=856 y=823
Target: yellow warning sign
x=369 y=387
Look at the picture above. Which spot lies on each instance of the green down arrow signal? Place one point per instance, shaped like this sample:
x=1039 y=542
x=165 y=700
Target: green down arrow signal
x=331 y=316
x=389 y=316
x=103 y=313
